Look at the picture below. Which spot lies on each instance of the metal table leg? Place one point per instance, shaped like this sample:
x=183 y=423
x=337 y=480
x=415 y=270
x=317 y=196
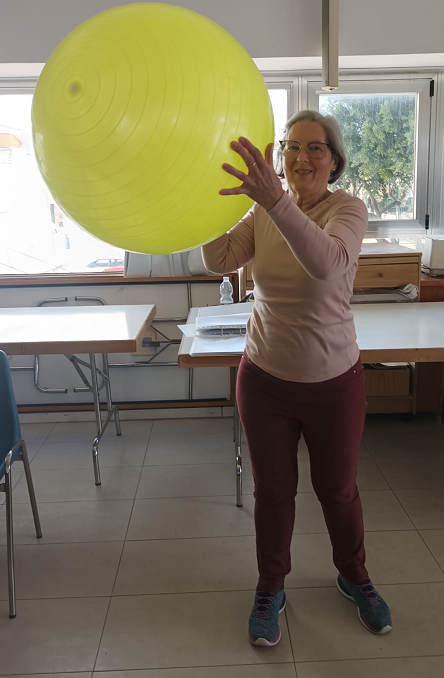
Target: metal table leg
x=237 y=437
x=95 y=392
x=111 y=408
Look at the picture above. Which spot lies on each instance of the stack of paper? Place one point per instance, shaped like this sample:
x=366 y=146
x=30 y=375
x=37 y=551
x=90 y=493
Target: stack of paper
x=222 y=325
x=220 y=330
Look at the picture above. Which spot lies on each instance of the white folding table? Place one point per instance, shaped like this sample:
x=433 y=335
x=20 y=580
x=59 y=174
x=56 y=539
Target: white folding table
x=71 y=330
x=408 y=332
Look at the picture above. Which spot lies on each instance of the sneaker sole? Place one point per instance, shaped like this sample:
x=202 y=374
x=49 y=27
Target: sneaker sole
x=263 y=641
x=385 y=629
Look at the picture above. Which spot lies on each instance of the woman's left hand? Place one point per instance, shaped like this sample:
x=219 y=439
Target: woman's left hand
x=261 y=184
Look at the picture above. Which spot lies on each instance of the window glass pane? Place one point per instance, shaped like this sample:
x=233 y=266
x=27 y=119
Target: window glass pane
x=279 y=103
x=36 y=236
x=379 y=133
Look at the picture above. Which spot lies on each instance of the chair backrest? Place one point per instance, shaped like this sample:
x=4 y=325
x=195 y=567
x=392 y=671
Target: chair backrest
x=9 y=421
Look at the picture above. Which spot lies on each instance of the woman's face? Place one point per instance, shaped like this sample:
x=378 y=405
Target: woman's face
x=308 y=176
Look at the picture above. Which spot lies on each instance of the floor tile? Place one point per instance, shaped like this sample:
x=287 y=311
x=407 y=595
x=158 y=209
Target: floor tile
x=78 y=484
x=229 y=563
x=135 y=429
x=76 y=431
x=396 y=437
x=162 y=631
x=36 y=433
x=392 y=557
x=413 y=667
x=413 y=471
x=424 y=507
x=62 y=570
x=252 y=671
x=370 y=476
x=197 y=429
x=52 y=675
x=87 y=431
x=71 y=521
x=435 y=542
x=58 y=635
x=320 y=619
x=192 y=480
x=187 y=565
x=400 y=558
x=191 y=442
x=32 y=449
x=311 y=561
x=191 y=517
x=382 y=511
x=67 y=455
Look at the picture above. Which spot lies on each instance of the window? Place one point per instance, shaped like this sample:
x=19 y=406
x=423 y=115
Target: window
x=389 y=123
x=386 y=128
x=279 y=97
x=36 y=236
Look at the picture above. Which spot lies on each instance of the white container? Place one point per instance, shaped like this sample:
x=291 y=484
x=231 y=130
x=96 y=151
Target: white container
x=226 y=291
x=432 y=248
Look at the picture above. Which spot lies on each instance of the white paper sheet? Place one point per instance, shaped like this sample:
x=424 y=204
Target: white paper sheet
x=226 y=309
x=188 y=330
x=214 y=346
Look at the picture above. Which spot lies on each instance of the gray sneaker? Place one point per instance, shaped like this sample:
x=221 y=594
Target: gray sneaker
x=373 y=611
x=263 y=625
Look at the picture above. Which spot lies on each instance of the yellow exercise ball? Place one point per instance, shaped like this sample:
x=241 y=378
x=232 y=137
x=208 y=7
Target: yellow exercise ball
x=132 y=119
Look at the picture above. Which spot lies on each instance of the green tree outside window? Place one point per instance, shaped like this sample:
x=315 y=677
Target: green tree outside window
x=379 y=134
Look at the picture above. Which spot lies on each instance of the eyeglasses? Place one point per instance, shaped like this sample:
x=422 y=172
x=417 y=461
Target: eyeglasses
x=315 y=149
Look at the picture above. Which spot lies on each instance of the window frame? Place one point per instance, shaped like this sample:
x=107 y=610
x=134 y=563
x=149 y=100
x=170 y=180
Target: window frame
x=302 y=86
x=416 y=84
x=26 y=85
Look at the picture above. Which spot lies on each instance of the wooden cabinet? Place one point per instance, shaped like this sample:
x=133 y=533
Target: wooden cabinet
x=381 y=266
x=430 y=376
x=387 y=266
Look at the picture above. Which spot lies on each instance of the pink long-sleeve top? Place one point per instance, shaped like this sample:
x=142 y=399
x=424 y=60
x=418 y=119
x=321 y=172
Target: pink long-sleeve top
x=301 y=328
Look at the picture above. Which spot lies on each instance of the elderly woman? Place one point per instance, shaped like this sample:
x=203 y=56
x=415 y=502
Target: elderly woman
x=301 y=372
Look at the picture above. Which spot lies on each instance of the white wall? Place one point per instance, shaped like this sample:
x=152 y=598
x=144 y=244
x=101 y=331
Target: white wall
x=31 y=29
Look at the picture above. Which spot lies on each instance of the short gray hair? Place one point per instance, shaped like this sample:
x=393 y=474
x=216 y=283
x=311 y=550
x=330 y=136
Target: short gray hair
x=334 y=138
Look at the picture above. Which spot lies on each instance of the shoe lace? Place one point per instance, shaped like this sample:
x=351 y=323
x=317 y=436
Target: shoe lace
x=263 y=604
x=368 y=590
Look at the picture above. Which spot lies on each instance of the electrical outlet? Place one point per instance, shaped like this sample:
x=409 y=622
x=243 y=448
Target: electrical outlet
x=145 y=348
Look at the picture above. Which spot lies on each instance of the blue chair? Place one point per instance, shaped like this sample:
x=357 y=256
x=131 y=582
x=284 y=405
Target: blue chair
x=12 y=448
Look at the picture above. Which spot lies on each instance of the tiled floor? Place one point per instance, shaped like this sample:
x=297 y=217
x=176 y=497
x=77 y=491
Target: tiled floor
x=151 y=575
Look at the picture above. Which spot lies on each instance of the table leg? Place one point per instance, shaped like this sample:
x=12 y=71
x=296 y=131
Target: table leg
x=237 y=437
x=95 y=392
x=109 y=400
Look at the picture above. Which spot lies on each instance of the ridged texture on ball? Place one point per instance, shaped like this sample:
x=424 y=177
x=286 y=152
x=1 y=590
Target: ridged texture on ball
x=132 y=119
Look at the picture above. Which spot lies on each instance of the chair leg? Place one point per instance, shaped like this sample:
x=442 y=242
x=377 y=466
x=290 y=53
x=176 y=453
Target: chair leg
x=35 y=513
x=10 y=544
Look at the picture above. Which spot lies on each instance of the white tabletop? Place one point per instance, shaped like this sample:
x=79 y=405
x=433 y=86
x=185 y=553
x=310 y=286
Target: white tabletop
x=410 y=332
x=74 y=329
x=398 y=332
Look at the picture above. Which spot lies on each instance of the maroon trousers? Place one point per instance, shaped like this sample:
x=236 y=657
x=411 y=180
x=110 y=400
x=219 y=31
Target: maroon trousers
x=330 y=415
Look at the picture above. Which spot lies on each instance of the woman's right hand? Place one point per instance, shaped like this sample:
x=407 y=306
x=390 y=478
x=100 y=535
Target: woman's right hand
x=261 y=184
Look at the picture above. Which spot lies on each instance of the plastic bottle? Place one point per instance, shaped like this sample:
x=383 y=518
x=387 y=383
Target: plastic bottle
x=226 y=291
